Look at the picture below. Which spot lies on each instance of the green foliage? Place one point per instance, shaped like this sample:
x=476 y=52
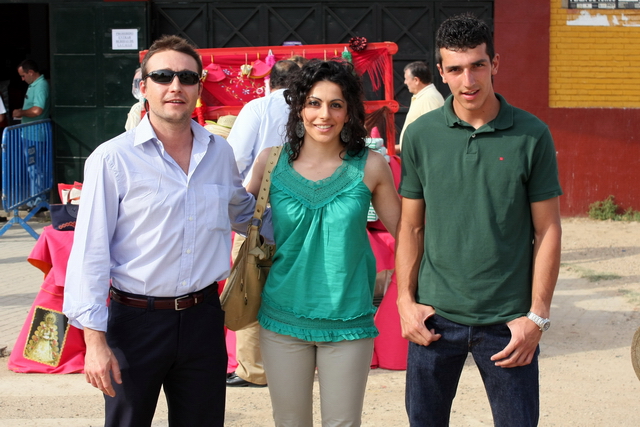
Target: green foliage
x=607 y=209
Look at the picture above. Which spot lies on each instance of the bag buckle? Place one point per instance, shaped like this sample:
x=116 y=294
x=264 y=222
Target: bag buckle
x=177 y=302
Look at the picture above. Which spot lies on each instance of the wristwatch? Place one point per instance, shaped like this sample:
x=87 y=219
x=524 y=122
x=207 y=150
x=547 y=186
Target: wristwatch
x=542 y=323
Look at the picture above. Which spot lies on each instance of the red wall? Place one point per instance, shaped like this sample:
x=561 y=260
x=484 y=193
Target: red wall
x=598 y=150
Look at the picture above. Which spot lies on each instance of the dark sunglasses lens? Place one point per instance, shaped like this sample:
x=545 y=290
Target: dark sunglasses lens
x=188 y=77
x=162 y=76
x=166 y=76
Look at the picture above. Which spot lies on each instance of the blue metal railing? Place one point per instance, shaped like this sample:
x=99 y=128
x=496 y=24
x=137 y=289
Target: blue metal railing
x=27 y=171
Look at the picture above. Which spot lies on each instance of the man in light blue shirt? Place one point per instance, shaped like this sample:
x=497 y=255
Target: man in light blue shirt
x=153 y=234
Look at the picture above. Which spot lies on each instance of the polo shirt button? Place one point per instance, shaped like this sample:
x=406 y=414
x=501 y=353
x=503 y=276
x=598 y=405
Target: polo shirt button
x=473 y=136
x=188 y=251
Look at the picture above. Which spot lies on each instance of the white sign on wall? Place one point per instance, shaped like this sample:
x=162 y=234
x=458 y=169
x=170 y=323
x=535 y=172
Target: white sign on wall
x=124 y=39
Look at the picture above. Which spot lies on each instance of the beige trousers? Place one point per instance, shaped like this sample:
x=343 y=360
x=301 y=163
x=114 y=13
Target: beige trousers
x=248 y=354
x=343 y=369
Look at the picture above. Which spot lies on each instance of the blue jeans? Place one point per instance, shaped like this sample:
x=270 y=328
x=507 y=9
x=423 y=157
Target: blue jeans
x=433 y=373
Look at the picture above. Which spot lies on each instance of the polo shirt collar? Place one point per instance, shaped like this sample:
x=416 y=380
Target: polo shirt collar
x=504 y=120
x=37 y=81
x=422 y=91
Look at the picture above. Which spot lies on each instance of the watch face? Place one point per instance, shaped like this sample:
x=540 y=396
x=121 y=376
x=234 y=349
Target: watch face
x=546 y=326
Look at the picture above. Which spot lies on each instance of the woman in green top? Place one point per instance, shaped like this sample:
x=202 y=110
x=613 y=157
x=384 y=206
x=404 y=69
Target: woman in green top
x=317 y=307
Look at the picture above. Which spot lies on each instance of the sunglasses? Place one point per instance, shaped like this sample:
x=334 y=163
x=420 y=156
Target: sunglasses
x=166 y=76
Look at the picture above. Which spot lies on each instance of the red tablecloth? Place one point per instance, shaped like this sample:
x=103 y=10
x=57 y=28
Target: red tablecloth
x=47 y=342
x=389 y=349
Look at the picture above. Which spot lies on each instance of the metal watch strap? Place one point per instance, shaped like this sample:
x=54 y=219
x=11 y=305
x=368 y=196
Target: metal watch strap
x=540 y=321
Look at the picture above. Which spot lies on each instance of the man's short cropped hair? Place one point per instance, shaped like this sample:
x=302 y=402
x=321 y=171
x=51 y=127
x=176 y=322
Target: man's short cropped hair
x=282 y=73
x=29 y=64
x=176 y=43
x=420 y=70
x=462 y=32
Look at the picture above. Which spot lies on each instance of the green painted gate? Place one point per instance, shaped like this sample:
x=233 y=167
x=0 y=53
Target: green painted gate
x=91 y=82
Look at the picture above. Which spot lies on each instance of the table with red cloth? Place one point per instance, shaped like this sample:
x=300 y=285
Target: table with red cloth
x=47 y=342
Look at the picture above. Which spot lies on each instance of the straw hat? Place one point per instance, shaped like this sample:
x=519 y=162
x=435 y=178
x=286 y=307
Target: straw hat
x=222 y=127
x=635 y=352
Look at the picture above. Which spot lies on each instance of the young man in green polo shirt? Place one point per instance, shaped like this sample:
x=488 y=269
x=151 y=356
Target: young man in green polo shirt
x=479 y=238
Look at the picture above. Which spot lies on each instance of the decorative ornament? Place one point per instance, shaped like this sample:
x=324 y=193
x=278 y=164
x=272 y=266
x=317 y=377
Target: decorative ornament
x=346 y=55
x=300 y=130
x=358 y=44
x=200 y=107
x=345 y=133
x=245 y=70
x=270 y=59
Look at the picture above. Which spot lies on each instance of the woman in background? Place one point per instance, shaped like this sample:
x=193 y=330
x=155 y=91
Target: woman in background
x=317 y=305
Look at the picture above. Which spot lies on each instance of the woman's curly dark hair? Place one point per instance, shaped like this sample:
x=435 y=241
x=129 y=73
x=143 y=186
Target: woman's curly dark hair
x=341 y=73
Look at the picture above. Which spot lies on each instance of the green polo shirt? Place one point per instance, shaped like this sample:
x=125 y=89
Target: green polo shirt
x=37 y=95
x=478 y=185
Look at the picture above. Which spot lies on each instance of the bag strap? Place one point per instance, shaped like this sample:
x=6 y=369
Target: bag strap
x=263 y=195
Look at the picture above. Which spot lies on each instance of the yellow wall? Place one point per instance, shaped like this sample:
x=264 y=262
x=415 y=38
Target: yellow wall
x=593 y=65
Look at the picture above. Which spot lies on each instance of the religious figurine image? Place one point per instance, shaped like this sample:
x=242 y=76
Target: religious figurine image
x=44 y=343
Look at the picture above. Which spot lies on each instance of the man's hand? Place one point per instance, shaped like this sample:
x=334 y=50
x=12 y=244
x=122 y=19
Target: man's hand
x=412 y=318
x=17 y=113
x=525 y=336
x=99 y=362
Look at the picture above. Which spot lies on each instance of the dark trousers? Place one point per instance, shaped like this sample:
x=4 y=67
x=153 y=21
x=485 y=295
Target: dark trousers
x=433 y=373
x=182 y=351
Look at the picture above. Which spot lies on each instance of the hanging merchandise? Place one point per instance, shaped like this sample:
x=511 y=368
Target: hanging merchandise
x=346 y=55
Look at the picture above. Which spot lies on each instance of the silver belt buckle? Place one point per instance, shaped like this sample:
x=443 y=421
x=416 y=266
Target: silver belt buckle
x=177 y=300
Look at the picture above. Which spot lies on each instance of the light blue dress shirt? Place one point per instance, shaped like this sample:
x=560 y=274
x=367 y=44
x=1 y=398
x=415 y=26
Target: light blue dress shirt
x=149 y=228
x=260 y=124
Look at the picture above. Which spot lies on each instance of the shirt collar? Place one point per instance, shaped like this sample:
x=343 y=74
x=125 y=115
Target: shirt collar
x=37 y=81
x=145 y=132
x=504 y=120
x=422 y=91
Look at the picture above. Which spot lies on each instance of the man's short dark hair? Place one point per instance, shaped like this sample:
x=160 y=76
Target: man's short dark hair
x=420 y=70
x=29 y=64
x=282 y=73
x=165 y=43
x=462 y=32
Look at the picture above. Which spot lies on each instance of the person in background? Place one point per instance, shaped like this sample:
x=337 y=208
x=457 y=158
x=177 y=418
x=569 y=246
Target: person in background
x=36 y=100
x=317 y=304
x=300 y=60
x=418 y=79
x=478 y=248
x=3 y=111
x=135 y=113
x=153 y=235
x=260 y=124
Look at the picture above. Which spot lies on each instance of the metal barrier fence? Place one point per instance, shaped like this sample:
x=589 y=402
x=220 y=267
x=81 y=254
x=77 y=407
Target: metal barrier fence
x=27 y=171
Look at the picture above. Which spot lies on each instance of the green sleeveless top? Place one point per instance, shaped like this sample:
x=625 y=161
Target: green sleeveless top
x=320 y=287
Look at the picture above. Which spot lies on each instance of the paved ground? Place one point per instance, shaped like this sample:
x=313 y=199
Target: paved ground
x=586 y=374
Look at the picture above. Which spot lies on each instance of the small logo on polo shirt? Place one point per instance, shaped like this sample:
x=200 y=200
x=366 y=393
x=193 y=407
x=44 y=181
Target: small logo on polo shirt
x=501 y=158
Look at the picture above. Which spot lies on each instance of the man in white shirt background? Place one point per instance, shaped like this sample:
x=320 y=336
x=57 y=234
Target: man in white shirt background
x=426 y=97
x=153 y=234
x=260 y=124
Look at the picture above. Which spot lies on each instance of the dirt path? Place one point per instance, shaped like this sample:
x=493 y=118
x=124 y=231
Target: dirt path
x=586 y=374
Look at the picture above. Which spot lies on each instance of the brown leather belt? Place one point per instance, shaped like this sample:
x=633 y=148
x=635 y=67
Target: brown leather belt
x=163 y=303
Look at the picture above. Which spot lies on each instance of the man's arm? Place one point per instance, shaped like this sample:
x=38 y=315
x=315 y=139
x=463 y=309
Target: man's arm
x=525 y=334
x=31 y=112
x=409 y=250
x=99 y=361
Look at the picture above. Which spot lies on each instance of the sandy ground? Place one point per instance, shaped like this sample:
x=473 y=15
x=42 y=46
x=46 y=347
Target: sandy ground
x=587 y=378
